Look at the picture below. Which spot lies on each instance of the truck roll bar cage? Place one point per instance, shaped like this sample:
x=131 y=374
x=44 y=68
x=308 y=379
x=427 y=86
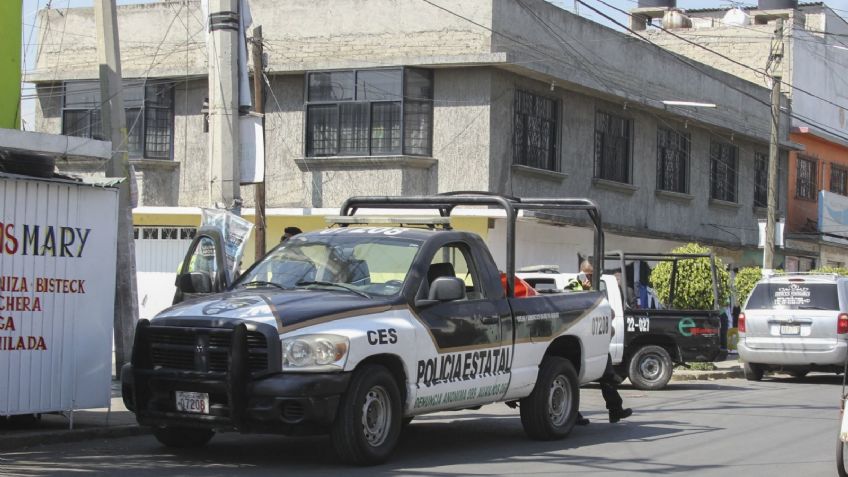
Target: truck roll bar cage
x=446 y=202
x=674 y=258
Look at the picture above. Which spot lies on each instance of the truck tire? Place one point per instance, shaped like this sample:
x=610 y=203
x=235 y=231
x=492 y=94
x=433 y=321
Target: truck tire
x=369 y=418
x=182 y=437
x=752 y=371
x=841 y=450
x=550 y=411
x=650 y=368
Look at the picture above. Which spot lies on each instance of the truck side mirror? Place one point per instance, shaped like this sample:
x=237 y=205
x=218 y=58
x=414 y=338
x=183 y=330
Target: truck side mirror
x=194 y=282
x=447 y=289
x=443 y=289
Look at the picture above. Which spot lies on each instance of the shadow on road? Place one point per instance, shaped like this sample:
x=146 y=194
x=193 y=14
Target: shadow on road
x=471 y=441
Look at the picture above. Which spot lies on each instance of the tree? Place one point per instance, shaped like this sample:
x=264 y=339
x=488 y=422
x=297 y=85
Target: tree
x=694 y=284
x=746 y=278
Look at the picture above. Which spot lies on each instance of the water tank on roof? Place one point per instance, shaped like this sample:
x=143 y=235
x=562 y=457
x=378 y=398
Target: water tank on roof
x=657 y=3
x=736 y=17
x=776 y=4
x=676 y=18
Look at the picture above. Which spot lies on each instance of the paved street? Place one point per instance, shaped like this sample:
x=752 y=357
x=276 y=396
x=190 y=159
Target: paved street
x=731 y=427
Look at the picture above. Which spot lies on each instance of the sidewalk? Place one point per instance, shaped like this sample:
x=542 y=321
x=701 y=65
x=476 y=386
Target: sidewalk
x=24 y=431
x=730 y=368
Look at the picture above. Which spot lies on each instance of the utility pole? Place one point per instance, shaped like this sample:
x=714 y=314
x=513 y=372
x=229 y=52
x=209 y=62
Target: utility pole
x=114 y=126
x=223 y=104
x=259 y=101
x=774 y=151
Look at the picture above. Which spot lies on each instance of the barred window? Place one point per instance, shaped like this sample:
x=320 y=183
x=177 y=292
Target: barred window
x=760 y=179
x=672 y=160
x=838 y=179
x=535 y=131
x=613 y=147
x=723 y=171
x=369 y=112
x=805 y=181
x=148 y=109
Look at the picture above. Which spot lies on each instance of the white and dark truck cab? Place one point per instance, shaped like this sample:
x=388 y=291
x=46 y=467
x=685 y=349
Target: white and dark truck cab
x=353 y=331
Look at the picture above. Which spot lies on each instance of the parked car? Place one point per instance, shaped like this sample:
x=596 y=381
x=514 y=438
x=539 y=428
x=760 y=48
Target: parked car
x=796 y=323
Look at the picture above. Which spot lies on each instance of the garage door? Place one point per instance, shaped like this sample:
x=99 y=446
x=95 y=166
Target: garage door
x=159 y=251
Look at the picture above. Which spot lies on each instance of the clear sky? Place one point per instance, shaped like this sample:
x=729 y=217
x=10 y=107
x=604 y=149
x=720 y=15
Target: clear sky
x=30 y=33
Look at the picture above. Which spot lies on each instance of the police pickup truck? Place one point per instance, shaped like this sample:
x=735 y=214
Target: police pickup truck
x=648 y=339
x=354 y=330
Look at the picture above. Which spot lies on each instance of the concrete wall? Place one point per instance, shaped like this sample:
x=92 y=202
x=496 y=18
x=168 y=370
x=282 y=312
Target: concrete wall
x=638 y=208
x=578 y=53
x=813 y=62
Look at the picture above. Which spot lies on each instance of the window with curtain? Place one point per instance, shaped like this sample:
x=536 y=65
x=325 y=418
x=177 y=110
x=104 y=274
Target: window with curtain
x=805 y=179
x=613 y=144
x=723 y=171
x=672 y=160
x=535 y=131
x=148 y=109
x=369 y=112
x=838 y=179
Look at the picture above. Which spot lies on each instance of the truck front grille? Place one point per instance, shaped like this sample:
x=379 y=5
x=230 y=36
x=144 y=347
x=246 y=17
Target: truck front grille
x=202 y=349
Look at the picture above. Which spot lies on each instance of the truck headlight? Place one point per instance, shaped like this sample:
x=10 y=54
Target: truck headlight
x=315 y=352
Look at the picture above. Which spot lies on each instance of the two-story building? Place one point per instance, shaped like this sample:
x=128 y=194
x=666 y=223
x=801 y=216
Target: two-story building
x=407 y=97
x=814 y=71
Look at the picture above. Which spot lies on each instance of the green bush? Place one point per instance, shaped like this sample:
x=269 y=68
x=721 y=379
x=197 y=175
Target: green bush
x=693 y=289
x=746 y=278
x=842 y=271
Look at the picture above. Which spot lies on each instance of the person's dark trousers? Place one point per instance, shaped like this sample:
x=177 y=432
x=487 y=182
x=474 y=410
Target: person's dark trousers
x=609 y=388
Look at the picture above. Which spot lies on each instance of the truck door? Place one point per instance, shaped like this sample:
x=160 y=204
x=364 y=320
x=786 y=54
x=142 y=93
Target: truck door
x=203 y=270
x=467 y=359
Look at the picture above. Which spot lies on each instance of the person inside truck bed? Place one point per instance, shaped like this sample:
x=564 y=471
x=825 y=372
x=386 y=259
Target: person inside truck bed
x=609 y=380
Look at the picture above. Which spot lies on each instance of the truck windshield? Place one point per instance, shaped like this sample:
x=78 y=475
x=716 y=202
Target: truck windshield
x=794 y=296
x=366 y=264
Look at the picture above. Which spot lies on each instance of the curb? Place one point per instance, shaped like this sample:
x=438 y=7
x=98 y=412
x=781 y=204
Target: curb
x=54 y=437
x=733 y=373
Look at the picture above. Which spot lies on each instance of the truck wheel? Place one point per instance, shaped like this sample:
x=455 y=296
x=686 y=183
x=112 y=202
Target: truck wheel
x=550 y=411
x=650 y=368
x=752 y=371
x=369 y=418
x=182 y=437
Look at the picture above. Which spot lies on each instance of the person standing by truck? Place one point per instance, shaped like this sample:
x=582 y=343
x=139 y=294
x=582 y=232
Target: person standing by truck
x=609 y=380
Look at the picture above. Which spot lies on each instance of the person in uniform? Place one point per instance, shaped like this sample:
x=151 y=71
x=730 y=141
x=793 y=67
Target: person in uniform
x=609 y=380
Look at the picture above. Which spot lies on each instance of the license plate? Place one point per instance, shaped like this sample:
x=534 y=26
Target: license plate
x=790 y=329
x=197 y=403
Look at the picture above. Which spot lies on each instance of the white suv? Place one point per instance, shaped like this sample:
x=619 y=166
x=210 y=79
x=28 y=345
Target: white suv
x=795 y=322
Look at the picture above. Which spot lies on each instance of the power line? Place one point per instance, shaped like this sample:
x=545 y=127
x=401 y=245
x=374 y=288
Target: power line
x=720 y=55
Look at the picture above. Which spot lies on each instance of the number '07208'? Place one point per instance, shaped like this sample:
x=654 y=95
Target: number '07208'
x=600 y=325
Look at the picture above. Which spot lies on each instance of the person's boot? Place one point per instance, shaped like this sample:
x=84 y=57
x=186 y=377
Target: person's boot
x=582 y=421
x=616 y=415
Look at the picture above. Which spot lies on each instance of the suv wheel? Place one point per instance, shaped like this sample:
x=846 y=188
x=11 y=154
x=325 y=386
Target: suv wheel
x=369 y=419
x=550 y=411
x=182 y=437
x=799 y=373
x=753 y=372
x=650 y=368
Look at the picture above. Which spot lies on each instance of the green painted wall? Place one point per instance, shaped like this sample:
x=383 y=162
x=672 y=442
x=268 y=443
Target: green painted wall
x=10 y=63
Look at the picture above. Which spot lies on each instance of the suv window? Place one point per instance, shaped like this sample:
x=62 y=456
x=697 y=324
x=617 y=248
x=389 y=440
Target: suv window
x=794 y=296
